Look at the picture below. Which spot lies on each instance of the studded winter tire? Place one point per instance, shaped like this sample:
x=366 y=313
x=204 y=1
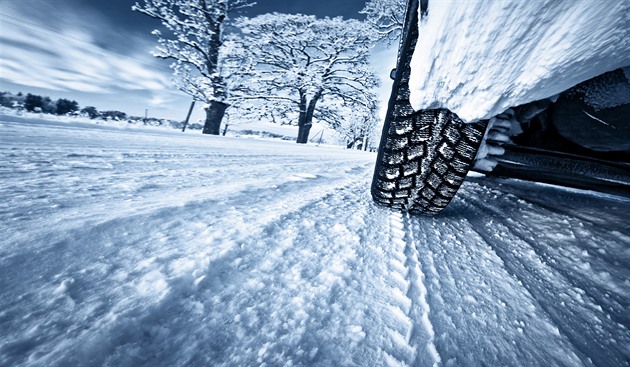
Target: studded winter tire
x=425 y=155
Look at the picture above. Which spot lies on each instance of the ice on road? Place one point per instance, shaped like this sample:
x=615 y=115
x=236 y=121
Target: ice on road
x=140 y=247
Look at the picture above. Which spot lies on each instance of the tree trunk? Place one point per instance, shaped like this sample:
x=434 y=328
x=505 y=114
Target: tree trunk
x=216 y=109
x=214 y=115
x=303 y=130
x=306 y=117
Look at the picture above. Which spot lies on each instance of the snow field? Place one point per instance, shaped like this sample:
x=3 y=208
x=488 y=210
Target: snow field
x=126 y=247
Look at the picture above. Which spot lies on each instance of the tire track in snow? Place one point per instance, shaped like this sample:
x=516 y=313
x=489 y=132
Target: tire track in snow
x=410 y=329
x=320 y=277
x=286 y=300
x=399 y=326
x=600 y=295
x=423 y=332
x=309 y=306
x=220 y=246
x=576 y=204
x=576 y=312
x=480 y=314
x=141 y=190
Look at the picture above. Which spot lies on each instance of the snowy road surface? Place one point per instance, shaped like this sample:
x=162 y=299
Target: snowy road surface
x=126 y=247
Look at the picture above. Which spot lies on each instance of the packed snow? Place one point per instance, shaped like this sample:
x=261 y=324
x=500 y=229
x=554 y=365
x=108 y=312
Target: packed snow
x=152 y=247
x=479 y=58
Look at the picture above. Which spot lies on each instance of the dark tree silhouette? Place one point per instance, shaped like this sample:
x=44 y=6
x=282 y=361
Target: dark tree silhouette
x=66 y=106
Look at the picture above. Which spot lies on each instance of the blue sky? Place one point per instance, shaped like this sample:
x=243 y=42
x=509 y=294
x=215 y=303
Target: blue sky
x=98 y=52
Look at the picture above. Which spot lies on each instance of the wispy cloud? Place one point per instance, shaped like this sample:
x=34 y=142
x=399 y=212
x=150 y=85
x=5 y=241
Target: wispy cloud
x=160 y=99
x=63 y=49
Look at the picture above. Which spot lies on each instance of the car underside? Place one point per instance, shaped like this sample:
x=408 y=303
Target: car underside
x=580 y=138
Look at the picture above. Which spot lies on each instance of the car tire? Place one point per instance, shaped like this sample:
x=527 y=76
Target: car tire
x=423 y=156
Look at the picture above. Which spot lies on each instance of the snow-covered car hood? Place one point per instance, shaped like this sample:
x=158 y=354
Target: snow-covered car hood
x=478 y=58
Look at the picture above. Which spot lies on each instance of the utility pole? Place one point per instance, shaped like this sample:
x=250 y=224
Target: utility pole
x=227 y=123
x=321 y=136
x=192 y=105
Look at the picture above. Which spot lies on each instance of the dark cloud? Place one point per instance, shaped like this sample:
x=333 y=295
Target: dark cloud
x=320 y=8
x=122 y=18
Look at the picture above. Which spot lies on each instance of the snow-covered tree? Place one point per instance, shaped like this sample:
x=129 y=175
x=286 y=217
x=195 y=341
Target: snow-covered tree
x=294 y=61
x=357 y=123
x=192 y=39
x=386 y=16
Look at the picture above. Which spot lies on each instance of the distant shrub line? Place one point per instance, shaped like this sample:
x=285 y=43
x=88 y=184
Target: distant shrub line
x=65 y=107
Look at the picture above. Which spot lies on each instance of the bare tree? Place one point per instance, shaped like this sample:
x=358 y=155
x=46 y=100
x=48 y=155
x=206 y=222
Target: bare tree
x=193 y=39
x=386 y=16
x=295 y=61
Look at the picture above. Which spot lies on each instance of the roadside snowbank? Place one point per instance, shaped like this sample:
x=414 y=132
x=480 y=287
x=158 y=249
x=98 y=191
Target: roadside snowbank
x=236 y=127
x=478 y=58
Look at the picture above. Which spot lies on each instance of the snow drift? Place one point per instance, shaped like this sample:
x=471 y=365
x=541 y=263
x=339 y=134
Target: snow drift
x=478 y=58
